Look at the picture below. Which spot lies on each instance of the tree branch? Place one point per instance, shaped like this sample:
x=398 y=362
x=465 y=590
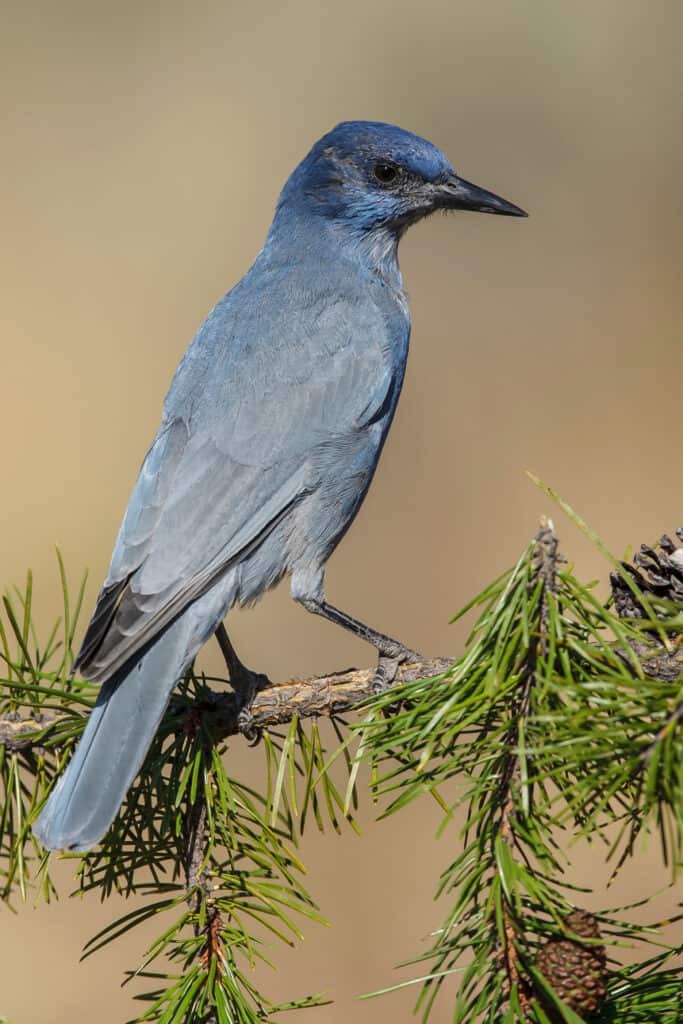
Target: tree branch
x=546 y=558
x=273 y=704
x=20 y=731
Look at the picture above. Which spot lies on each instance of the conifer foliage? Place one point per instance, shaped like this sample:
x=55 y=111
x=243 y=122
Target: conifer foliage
x=561 y=720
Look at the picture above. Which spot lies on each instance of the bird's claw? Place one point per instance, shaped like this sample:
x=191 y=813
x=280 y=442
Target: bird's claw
x=385 y=673
x=388 y=665
x=400 y=654
x=247 y=726
x=246 y=686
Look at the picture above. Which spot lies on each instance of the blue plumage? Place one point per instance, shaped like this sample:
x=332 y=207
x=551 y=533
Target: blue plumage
x=270 y=435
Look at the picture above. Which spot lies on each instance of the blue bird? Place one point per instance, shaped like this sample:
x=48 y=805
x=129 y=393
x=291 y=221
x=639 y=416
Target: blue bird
x=270 y=436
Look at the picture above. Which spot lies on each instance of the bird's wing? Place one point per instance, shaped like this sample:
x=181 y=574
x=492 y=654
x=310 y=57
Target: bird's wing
x=245 y=412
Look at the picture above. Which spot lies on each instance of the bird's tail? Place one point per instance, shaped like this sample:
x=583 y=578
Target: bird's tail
x=118 y=735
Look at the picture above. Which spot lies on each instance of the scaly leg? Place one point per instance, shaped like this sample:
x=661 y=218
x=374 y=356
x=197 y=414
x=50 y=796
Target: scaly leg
x=391 y=652
x=244 y=682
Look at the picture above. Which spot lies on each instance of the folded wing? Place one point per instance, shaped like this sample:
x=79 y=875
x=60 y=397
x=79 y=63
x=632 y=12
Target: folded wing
x=246 y=411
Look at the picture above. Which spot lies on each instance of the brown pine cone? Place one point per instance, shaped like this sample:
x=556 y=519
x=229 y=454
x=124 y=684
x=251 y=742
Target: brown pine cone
x=576 y=971
x=656 y=571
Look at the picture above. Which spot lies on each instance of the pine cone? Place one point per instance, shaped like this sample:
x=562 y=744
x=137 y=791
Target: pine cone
x=657 y=571
x=576 y=971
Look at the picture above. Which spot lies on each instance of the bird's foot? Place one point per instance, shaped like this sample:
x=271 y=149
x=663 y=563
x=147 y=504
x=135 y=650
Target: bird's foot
x=398 y=652
x=247 y=727
x=390 y=658
x=246 y=685
x=385 y=673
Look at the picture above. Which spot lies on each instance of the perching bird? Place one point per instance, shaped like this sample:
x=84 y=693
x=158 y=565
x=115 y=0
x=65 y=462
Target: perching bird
x=270 y=435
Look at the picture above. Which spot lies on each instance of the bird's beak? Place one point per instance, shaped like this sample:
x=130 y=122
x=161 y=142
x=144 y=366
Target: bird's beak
x=458 y=194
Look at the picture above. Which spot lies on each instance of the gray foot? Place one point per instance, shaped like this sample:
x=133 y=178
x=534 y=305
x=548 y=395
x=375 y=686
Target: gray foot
x=384 y=674
x=387 y=666
x=246 y=685
x=397 y=652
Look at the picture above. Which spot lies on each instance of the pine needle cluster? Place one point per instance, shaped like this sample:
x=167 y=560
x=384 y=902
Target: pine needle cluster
x=560 y=721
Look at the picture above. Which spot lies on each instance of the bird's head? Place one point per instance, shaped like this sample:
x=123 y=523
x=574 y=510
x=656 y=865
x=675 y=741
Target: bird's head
x=369 y=175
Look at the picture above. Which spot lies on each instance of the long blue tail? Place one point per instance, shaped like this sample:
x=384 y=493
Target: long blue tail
x=120 y=730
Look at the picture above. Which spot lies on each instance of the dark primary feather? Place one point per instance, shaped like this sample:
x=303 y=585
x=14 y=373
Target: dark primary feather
x=108 y=601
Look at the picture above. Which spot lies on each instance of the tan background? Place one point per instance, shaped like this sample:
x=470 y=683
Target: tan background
x=143 y=147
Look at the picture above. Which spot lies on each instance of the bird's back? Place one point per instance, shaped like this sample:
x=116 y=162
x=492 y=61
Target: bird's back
x=288 y=387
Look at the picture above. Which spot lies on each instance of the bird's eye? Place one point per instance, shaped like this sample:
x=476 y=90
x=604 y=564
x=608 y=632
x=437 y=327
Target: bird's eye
x=385 y=173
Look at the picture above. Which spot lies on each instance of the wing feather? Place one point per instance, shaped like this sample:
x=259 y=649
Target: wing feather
x=248 y=409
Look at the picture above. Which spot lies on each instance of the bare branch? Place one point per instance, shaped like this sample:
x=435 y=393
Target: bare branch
x=277 y=703
x=274 y=704
x=19 y=731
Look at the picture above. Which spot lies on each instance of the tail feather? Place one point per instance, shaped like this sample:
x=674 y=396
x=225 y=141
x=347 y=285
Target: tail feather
x=120 y=730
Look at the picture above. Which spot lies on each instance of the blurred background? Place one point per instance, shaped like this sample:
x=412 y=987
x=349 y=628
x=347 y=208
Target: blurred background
x=144 y=146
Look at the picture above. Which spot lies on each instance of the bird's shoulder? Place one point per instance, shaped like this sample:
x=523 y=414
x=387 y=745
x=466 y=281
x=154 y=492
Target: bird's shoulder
x=282 y=320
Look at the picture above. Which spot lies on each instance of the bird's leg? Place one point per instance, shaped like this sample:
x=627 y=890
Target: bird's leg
x=236 y=669
x=244 y=682
x=391 y=652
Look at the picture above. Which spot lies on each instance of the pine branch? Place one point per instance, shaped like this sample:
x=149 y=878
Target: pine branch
x=546 y=559
x=562 y=712
x=669 y=725
x=274 y=704
x=542 y=719
x=197 y=848
x=20 y=731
